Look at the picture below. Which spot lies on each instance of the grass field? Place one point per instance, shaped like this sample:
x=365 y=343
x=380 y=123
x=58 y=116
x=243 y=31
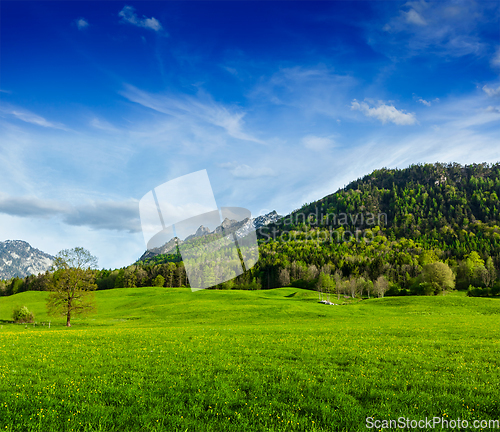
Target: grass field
x=160 y=359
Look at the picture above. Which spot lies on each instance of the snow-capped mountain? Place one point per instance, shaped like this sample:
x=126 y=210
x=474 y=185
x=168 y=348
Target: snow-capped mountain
x=239 y=228
x=266 y=219
x=254 y=224
x=19 y=258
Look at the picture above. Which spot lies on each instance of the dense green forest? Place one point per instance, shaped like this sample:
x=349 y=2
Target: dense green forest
x=383 y=233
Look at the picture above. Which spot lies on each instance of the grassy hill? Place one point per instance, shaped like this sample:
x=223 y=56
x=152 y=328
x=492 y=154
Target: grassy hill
x=177 y=306
x=155 y=359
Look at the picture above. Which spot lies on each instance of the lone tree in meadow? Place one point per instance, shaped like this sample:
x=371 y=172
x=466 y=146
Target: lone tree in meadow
x=72 y=290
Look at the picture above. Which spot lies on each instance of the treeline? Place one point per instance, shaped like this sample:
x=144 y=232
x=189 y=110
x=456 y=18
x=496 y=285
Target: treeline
x=402 y=263
x=167 y=274
x=137 y=275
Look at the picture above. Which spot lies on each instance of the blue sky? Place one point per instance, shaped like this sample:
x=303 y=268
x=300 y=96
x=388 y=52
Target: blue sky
x=281 y=102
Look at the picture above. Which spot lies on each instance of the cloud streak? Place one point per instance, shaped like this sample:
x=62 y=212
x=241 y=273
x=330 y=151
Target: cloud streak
x=317 y=143
x=495 y=61
x=441 y=28
x=189 y=108
x=244 y=171
x=314 y=90
x=29 y=117
x=423 y=101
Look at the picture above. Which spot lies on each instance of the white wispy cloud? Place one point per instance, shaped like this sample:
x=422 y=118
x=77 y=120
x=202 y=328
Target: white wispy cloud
x=385 y=113
x=128 y=15
x=313 y=90
x=245 y=171
x=200 y=108
x=493 y=109
x=423 y=101
x=435 y=27
x=492 y=92
x=29 y=117
x=413 y=17
x=231 y=70
x=317 y=143
x=81 y=23
x=103 y=125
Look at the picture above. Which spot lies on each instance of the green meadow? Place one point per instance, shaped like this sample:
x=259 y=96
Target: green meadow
x=161 y=359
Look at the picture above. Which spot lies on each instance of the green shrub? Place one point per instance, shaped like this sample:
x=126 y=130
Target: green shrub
x=422 y=288
x=496 y=288
x=159 y=281
x=22 y=315
x=253 y=285
x=394 y=290
x=227 y=285
x=478 y=292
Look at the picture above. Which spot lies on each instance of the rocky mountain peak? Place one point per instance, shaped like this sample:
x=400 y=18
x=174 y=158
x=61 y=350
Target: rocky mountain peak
x=240 y=229
x=266 y=219
x=201 y=231
x=19 y=258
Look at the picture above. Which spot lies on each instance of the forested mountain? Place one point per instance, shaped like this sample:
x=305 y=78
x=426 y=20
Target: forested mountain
x=423 y=201
x=391 y=223
x=449 y=206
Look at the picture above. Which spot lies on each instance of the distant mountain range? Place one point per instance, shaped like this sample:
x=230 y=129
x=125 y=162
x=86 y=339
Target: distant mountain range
x=19 y=258
x=239 y=228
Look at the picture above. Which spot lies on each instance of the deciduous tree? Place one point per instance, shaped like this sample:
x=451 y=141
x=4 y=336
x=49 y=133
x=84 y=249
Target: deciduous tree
x=439 y=276
x=381 y=285
x=72 y=290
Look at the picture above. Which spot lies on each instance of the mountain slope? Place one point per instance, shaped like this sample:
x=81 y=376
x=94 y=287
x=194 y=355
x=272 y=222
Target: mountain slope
x=431 y=201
